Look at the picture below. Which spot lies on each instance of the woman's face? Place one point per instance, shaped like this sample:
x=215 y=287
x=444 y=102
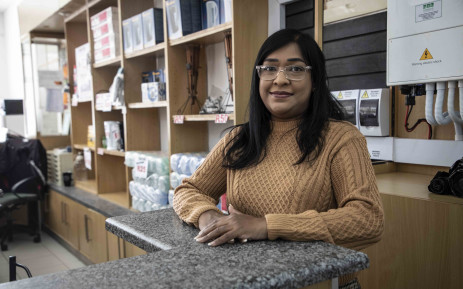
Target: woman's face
x=286 y=99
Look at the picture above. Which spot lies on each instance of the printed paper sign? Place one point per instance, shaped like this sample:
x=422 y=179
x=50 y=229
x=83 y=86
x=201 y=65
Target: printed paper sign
x=221 y=118
x=88 y=158
x=100 y=151
x=178 y=119
x=141 y=168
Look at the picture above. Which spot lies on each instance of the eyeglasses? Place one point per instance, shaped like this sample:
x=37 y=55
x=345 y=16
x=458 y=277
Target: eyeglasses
x=292 y=72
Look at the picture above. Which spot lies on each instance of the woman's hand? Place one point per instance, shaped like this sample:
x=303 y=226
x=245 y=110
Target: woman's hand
x=223 y=229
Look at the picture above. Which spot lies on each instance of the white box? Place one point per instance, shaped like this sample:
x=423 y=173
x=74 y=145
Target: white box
x=127 y=35
x=153 y=91
x=424 y=41
x=106 y=53
x=153 y=31
x=374 y=112
x=105 y=28
x=137 y=32
x=104 y=16
x=106 y=41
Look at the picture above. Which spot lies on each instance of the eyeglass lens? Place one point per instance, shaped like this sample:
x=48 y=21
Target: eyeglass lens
x=291 y=72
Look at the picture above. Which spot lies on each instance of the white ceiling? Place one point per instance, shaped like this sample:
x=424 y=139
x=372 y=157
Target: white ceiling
x=4 y=4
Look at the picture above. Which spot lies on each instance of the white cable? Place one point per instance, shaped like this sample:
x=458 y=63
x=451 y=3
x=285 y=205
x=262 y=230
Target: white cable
x=429 y=103
x=460 y=86
x=454 y=115
x=441 y=117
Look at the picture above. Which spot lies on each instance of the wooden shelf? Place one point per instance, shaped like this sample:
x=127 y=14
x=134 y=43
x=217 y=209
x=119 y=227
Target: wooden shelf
x=155 y=50
x=79 y=16
x=208 y=36
x=204 y=117
x=88 y=185
x=83 y=146
x=119 y=198
x=148 y=104
x=412 y=186
x=112 y=152
x=84 y=101
x=116 y=61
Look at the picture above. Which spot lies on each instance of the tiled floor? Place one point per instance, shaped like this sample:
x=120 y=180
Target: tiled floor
x=41 y=258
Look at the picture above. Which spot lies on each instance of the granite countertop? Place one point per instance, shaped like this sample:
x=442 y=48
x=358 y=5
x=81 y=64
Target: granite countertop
x=177 y=261
x=92 y=201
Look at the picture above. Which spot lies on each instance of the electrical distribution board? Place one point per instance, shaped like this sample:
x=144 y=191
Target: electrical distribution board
x=424 y=41
x=349 y=100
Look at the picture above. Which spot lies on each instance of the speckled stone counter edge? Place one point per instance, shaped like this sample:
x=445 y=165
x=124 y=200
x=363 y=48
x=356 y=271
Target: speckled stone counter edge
x=92 y=201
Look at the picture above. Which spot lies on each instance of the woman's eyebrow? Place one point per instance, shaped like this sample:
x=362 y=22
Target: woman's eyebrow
x=271 y=60
x=295 y=59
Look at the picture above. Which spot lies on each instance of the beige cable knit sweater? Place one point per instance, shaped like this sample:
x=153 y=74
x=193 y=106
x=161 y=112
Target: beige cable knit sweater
x=334 y=199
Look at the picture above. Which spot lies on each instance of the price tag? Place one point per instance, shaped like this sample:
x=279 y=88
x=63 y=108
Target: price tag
x=100 y=151
x=178 y=119
x=124 y=110
x=221 y=118
x=141 y=167
x=75 y=100
x=88 y=158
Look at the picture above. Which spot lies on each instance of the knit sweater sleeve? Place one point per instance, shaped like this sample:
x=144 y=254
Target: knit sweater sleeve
x=201 y=191
x=358 y=220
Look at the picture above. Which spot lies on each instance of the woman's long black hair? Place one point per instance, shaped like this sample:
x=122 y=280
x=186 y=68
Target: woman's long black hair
x=248 y=146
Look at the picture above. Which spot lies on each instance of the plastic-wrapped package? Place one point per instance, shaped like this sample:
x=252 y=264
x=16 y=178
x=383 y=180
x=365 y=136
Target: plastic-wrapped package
x=171 y=197
x=163 y=184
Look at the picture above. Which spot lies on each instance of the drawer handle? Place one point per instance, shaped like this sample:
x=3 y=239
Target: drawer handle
x=87 y=236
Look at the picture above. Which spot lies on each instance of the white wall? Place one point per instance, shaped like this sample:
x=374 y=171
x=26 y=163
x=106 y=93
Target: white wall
x=12 y=86
x=3 y=70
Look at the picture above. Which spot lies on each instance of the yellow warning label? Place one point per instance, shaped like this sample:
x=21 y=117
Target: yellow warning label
x=365 y=95
x=426 y=55
x=340 y=95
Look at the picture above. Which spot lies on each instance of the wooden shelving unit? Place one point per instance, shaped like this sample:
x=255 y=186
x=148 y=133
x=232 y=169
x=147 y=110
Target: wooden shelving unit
x=111 y=62
x=149 y=105
x=83 y=146
x=88 y=185
x=156 y=50
x=145 y=124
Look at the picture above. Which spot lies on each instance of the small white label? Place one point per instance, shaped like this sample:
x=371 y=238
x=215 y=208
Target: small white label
x=88 y=158
x=141 y=168
x=428 y=11
x=221 y=118
x=75 y=100
x=178 y=119
x=124 y=109
x=100 y=151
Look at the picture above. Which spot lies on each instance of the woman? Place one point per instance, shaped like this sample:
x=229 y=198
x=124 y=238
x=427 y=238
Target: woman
x=295 y=171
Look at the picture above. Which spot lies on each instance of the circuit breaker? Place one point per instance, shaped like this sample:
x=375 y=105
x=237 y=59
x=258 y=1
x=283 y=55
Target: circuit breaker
x=349 y=100
x=374 y=112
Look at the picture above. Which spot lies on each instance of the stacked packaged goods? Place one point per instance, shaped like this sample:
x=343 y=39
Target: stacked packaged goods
x=105 y=30
x=150 y=185
x=183 y=165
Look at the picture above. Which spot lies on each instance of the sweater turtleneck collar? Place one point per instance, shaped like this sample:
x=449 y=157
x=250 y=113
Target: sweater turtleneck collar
x=284 y=126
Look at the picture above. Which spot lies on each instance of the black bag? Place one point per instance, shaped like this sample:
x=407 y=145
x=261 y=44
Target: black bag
x=15 y=156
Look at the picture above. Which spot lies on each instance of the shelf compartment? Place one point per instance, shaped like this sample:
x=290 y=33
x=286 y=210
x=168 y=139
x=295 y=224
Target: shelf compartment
x=83 y=146
x=116 y=61
x=119 y=198
x=208 y=36
x=148 y=104
x=156 y=50
x=88 y=185
x=112 y=152
x=204 y=117
x=79 y=16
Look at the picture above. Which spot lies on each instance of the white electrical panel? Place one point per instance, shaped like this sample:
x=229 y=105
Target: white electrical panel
x=424 y=41
x=349 y=100
x=374 y=112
